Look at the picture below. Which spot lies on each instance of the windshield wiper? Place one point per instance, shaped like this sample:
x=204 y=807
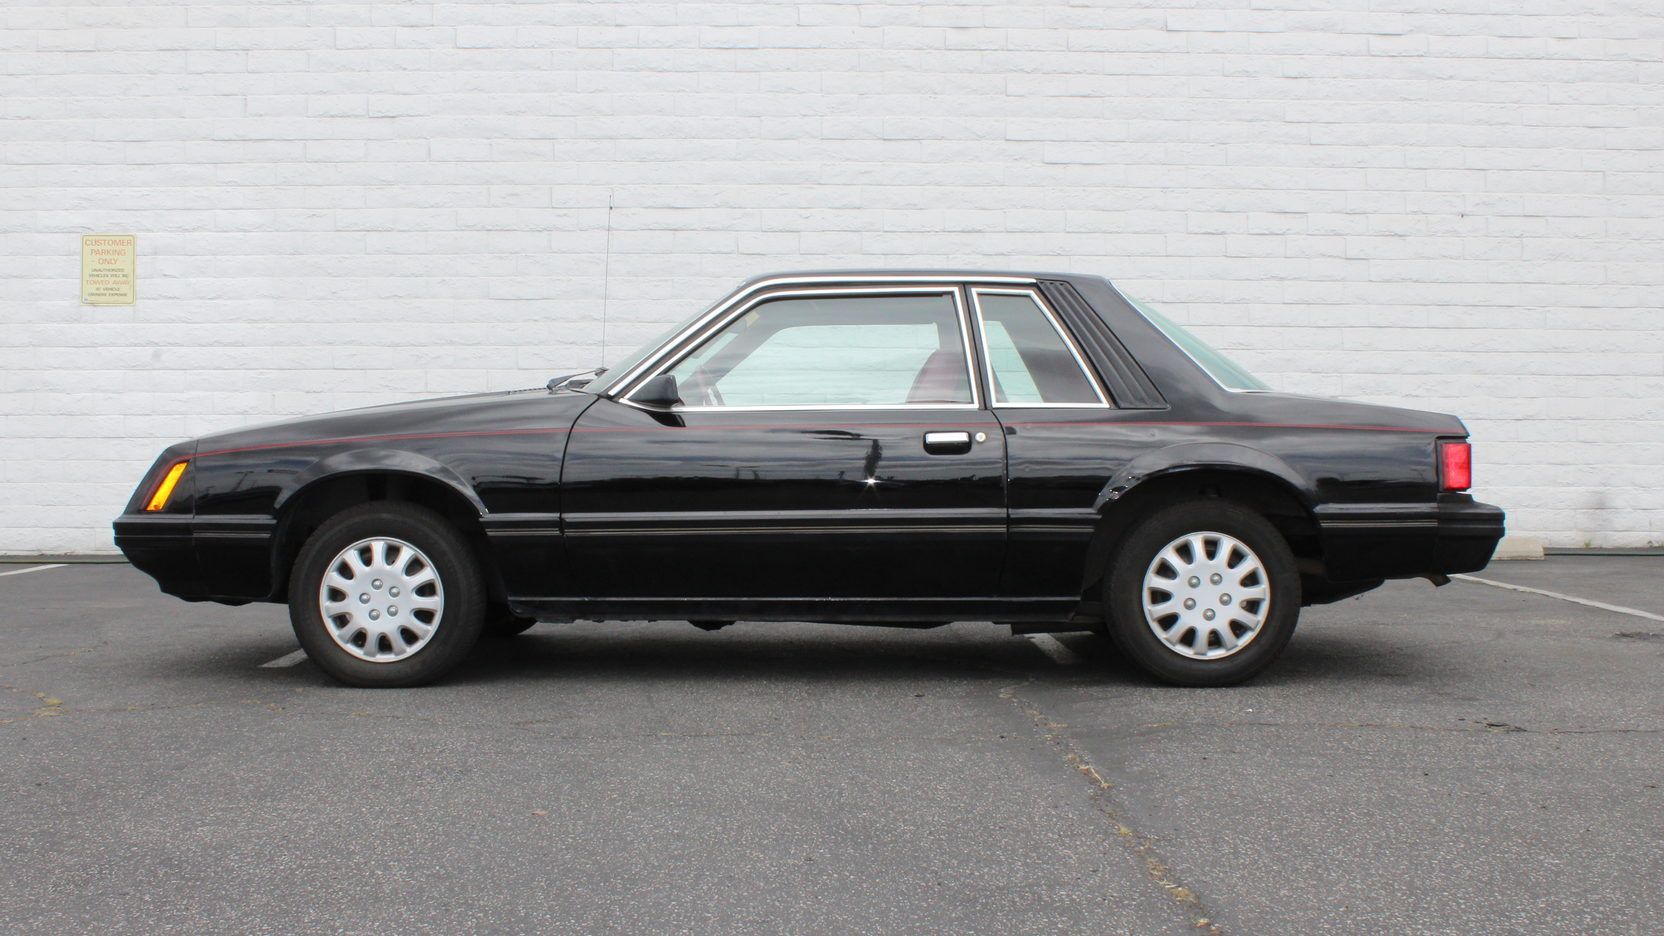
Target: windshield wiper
x=575 y=381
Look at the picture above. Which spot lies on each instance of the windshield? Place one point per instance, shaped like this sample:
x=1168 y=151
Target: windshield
x=615 y=371
x=1226 y=372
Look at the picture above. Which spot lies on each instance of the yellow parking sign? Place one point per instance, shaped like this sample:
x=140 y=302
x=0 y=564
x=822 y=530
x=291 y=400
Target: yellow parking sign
x=109 y=269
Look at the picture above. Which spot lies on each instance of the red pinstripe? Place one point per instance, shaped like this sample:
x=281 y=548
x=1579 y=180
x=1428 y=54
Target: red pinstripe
x=551 y=430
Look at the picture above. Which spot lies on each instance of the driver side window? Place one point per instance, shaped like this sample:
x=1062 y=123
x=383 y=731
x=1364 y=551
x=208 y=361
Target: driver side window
x=858 y=351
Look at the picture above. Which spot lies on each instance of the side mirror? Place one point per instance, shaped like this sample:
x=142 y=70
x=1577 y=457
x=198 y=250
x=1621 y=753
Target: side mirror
x=660 y=393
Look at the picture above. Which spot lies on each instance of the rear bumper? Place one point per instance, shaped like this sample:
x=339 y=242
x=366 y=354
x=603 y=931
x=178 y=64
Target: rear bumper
x=1363 y=542
x=201 y=558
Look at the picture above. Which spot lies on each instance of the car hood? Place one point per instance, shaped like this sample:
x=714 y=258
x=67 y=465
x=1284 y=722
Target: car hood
x=476 y=413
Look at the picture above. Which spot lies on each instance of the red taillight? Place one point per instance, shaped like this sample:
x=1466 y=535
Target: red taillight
x=1455 y=466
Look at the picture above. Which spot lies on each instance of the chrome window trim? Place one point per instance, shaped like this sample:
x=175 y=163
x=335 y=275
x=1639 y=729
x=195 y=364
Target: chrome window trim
x=1057 y=326
x=691 y=339
x=802 y=407
x=1192 y=358
x=649 y=365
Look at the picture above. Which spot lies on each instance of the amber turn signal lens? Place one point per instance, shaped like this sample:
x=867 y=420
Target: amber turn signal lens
x=164 y=490
x=1455 y=466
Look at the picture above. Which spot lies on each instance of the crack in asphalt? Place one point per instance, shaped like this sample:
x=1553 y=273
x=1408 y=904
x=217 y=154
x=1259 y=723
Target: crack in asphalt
x=1477 y=727
x=50 y=707
x=1140 y=845
x=58 y=655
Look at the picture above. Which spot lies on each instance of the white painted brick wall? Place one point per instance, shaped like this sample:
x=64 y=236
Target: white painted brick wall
x=1451 y=204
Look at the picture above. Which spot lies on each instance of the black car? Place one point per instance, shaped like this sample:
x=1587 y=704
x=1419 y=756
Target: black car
x=1037 y=450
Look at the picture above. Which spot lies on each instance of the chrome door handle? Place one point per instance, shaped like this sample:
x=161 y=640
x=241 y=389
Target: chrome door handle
x=947 y=443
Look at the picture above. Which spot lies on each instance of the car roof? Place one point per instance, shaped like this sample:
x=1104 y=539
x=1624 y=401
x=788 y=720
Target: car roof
x=874 y=273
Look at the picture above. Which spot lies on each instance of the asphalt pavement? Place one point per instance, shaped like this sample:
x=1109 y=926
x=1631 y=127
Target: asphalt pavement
x=1469 y=759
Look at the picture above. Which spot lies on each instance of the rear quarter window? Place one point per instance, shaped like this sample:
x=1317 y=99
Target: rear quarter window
x=1224 y=371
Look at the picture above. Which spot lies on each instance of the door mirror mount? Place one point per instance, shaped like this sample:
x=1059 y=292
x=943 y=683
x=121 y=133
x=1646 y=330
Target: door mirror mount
x=658 y=393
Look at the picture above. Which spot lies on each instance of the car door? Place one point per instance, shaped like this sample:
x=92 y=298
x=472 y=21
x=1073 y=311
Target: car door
x=1053 y=409
x=829 y=442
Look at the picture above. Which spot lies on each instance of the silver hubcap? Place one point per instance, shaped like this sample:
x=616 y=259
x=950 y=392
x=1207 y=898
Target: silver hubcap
x=1206 y=595
x=381 y=599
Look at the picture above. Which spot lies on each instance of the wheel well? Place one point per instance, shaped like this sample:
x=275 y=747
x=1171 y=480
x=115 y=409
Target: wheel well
x=308 y=508
x=1272 y=498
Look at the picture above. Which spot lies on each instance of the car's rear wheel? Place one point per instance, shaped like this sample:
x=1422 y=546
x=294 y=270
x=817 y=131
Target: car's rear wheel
x=1203 y=594
x=386 y=594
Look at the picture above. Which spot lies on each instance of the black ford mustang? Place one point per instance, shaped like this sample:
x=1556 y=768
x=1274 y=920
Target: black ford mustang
x=869 y=447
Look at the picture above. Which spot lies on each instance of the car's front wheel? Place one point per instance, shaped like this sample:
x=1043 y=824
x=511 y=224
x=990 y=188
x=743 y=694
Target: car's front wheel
x=386 y=594
x=1203 y=594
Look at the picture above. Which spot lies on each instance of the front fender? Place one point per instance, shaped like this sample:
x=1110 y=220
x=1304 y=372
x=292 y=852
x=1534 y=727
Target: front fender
x=380 y=461
x=1187 y=456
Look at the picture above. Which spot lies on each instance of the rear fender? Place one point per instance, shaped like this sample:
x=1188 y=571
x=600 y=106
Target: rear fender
x=1119 y=507
x=1187 y=456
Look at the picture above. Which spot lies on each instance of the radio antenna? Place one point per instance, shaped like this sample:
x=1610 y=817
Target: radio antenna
x=606 y=281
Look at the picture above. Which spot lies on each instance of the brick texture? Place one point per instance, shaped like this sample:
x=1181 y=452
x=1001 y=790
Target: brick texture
x=1447 y=204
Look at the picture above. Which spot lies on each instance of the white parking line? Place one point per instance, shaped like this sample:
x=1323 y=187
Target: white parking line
x=287 y=659
x=1586 y=602
x=1055 y=649
x=41 y=568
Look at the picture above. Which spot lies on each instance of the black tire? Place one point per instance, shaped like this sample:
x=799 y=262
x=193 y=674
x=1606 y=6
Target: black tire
x=1124 y=598
x=501 y=623
x=462 y=614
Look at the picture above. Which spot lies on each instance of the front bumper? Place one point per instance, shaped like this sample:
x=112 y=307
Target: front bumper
x=1363 y=542
x=225 y=558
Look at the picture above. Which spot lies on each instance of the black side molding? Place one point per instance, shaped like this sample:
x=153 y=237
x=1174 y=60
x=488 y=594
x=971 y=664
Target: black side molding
x=1128 y=384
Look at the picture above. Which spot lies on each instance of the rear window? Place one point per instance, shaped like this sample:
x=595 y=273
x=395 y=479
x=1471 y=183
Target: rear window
x=1225 y=372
